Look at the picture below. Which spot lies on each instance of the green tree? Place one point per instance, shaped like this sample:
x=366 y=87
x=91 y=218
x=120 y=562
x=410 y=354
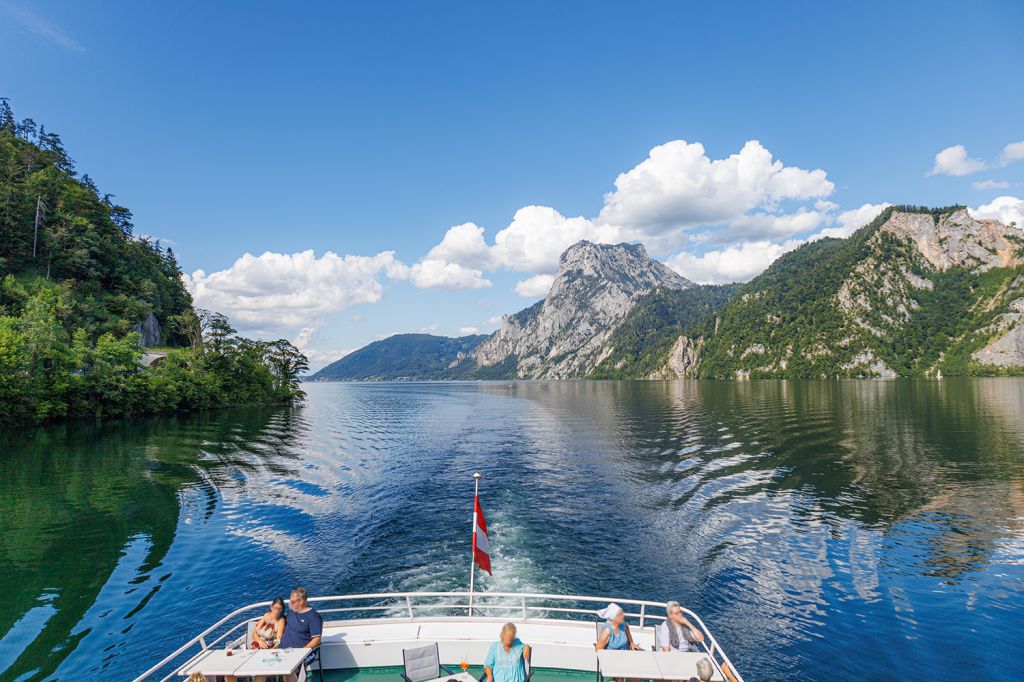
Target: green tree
x=74 y=281
x=286 y=363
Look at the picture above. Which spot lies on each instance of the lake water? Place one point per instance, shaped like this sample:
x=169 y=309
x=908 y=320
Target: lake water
x=824 y=530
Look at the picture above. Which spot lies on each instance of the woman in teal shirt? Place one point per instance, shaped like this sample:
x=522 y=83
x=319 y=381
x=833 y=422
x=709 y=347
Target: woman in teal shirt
x=614 y=633
x=506 y=659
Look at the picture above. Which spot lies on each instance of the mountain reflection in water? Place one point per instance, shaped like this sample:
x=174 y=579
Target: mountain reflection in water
x=825 y=530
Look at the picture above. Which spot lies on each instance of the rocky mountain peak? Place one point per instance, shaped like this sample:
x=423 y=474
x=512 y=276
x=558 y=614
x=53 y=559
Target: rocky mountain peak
x=594 y=288
x=586 y=267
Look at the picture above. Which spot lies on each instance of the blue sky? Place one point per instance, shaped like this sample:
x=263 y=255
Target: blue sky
x=364 y=129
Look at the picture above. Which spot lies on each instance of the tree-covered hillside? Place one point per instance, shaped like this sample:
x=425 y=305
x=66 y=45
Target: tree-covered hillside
x=402 y=356
x=75 y=282
x=868 y=305
x=58 y=228
x=641 y=343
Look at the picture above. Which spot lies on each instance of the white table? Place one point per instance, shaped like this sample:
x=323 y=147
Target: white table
x=217 y=662
x=628 y=664
x=460 y=676
x=650 y=665
x=272 y=662
x=681 y=665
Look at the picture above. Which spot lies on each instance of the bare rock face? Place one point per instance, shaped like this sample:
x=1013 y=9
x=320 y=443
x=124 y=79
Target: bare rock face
x=880 y=294
x=149 y=330
x=912 y=293
x=565 y=335
x=955 y=240
x=682 y=359
x=1006 y=347
x=865 y=364
x=958 y=240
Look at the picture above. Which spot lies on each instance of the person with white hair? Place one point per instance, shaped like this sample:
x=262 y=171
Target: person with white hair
x=506 y=659
x=677 y=633
x=613 y=633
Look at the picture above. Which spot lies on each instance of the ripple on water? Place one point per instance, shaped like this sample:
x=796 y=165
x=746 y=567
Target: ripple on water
x=807 y=522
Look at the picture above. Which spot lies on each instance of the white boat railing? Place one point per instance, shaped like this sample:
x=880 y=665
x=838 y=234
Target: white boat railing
x=231 y=630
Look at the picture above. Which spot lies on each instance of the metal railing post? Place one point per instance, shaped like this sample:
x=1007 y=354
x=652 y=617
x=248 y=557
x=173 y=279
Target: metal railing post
x=524 y=606
x=643 y=610
x=408 y=605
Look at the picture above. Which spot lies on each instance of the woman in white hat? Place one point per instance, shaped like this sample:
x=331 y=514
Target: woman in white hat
x=613 y=633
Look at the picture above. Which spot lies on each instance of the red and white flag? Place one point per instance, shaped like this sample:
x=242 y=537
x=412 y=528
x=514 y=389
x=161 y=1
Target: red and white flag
x=481 y=553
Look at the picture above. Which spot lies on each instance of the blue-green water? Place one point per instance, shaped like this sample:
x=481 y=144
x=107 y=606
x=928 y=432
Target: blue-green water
x=833 y=530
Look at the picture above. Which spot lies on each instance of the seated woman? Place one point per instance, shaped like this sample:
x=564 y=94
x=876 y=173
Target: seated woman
x=270 y=627
x=614 y=633
x=506 y=659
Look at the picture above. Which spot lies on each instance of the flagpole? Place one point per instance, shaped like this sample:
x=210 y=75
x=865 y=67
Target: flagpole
x=472 y=555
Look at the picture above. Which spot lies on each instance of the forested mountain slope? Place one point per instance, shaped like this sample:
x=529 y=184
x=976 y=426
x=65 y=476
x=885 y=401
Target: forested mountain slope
x=74 y=284
x=402 y=356
x=640 y=347
x=914 y=292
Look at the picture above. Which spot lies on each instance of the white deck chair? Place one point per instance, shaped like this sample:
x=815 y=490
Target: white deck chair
x=422 y=663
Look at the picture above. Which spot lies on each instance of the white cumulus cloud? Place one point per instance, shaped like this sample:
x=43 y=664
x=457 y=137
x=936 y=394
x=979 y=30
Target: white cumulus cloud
x=736 y=263
x=534 y=287
x=1012 y=152
x=748 y=196
x=1007 y=210
x=748 y=258
x=280 y=293
x=679 y=186
x=466 y=331
x=768 y=226
x=955 y=161
x=433 y=273
x=850 y=221
x=538 y=235
x=463 y=244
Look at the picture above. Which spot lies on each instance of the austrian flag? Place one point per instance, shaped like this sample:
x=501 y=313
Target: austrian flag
x=481 y=553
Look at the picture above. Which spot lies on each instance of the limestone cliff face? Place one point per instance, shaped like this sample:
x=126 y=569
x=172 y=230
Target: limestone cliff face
x=149 y=330
x=682 y=360
x=914 y=292
x=565 y=335
x=906 y=257
x=1005 y=347
x=957 y=240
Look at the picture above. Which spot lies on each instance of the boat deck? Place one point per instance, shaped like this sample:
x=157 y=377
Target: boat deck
x=370 y=643
x=364 y=635
x=392 y=673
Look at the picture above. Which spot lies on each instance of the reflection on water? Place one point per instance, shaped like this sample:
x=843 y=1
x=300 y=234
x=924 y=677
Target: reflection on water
x=826 y=530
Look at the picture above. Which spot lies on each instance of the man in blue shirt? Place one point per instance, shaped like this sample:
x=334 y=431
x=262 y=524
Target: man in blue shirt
x=303 y=626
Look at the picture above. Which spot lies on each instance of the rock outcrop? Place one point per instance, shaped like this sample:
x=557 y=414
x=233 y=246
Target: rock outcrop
x=682 y=359
x=957 y=240
x=565 y=335
x=1005 y=348
x=150 y=331
x=914 y=292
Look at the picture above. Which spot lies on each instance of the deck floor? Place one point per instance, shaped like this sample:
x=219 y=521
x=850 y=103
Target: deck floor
x=391 y=674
